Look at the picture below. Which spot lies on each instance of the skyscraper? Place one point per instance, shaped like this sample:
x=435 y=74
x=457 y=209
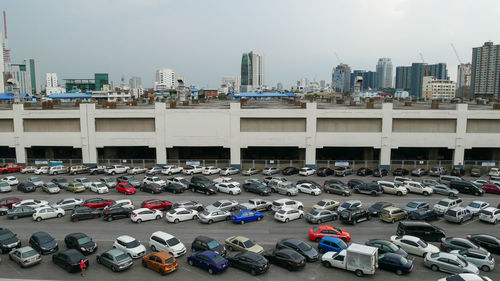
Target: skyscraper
x=384 y=73
x=464 y=80
x=370 y=80
x=411 y=77
x=2 y=83
x=439 y=71
x=165 y=79
x=355 y=73
x=341 y=78
x=33 y=74
x=417 y=76
x=403 y=77
x=252 y=71
x=485 y=80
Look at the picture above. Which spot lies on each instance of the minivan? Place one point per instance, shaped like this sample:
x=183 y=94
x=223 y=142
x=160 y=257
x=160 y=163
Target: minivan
x=422 y=230
x=444 y=179
x=161 y=241
x=56 y=170
x=458 y=214
x=392 y=214
x=467 y=187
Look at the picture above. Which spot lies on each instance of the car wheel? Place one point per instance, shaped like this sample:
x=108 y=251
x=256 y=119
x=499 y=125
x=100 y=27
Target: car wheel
x=321 y=250
x=269 y=208
x=110 y=218
x=74 y=219
x=320 y=221
x=399 y=193
x=113 y=173
x=358 y=273
x=288 y=194
x=152 y=192
x=326 y=264
x=39 y=219
x=230 y=248
x=434 y=267
x=354 y=222
x=426 y=193
x=259 y=218
x=210 y=271
x=153 y=248
x=138 y=221
x=253 y=272
x=199 y=209
x=242 y=222
x=192 y=189
x=190 y=262
x=144 y=264
x=301 y=216
x=96 y=216
x=210 y=221
x=485 y=268
x=59 y=215
x=399 y=272
x=300 y=207
x=158 y=217
x=476 y=193
x=15 y=217
x=393 y=221
x=98 y=260
x=425 y=254
x=317 y=239
x=287 y=220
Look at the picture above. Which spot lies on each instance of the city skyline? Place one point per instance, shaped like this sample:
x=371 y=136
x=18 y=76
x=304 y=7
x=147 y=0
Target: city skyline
x=135 y=48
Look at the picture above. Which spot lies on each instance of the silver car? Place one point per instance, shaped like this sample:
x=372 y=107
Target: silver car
x=444 y=190
x=214 y=216
x=225 y=205
x=480 y=258
x=25 y=256
x=50 y=188
x=449 y=263
x=115 y=259
x=458 y=214
x=188 y=204
x=109 y=182
x=320 y=216
x=68 y=203
x=5 y=186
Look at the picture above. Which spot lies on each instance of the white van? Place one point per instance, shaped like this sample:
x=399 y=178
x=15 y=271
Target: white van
x=495 y=172
x=161 y=241
x=56 y=170
x=42 y=170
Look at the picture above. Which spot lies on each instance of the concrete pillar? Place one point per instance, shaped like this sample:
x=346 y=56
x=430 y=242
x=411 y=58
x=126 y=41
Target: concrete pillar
x=459 y=152
x=234 y=135
x=87 y=131
x=18 y=111
x=161 y=135
x=311 y=111
x=385 y=143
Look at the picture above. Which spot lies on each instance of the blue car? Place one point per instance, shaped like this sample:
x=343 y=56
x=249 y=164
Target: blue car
x=208 y=260
x=416 y=206
x=331 y=244
x=20 y=212
x=395 y=262
x=244 y=216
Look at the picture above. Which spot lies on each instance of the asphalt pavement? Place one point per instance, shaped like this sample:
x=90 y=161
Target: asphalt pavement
x=265 y=233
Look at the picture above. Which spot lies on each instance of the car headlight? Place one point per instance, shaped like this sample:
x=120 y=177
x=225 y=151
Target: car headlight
x=83 y=249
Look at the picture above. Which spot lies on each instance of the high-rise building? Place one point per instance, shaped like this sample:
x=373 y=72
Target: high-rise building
x=417 y=76
x=464 y=80
x=403 y=77
x=165 y=79
x=384 y=73
x=51 y=80
x=341 y=78
x=2 y=70
x=252 y=71
x=135 y=82
x=370 y=80
x=485 y=80
x=439 y=71
x=31 y=81
x=354 y=73
x=19 y=74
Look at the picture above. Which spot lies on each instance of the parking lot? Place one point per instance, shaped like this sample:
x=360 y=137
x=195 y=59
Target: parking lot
x=265 y=233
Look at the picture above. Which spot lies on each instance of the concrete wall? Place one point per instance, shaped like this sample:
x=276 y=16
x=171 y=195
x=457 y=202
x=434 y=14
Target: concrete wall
x=89 y=128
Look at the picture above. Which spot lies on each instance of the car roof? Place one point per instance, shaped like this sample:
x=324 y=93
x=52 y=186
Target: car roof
x=77 y=235
x=162 y=255
x=25 y=249
x=163 y=235
x=330 y=238
x=410 y=237
x=115 y=252
x=204 y=238
x=283 y=200
x=125 y=238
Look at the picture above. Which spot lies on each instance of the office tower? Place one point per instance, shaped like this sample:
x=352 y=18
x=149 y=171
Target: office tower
x=485 y=73
x=464 y=80
x=165 y=79
x=384 y=73
x=341 y=78
x=135 y=82
x=252 y=71
x=403 y=77
x=51 y=80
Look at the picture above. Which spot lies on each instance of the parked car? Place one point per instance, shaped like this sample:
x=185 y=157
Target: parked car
x=444 y=204
x=154 y=171
x=192 y=169
x=115 y=259
x=202 y=185
x=286 y=203
x=380 y=172
x=337 y=189
x=396 y=263
x=368 y=188
x=491 y=188
x=444 y=190
x=129 y=179
x=47 y=212
x=204 y=243
x=418 y=172
x=136 y=170
x=99 y=188
x=75 y=187
x=84 y=213
x=57 y=170
x=69 y=260
x=244 y=216
x=375 y=209
x=9 y=201
x=80 y=242
x=419 y=188
x=162 y=262
x=25 y=256
x=300 y=247
x=458 y=215
x=5 y=187
x=307 y=171
x=285 y=215
x=365 y=256
x=178 y=180
x=478 y=257
x=210 y=170
x=423 y=215
x=250 y=172
x=319 y=216
x=386 y=247
x=44 y=170
x=396 y=188
x=78 y=169
x=257 y=204
x=152 y=188
x=363 y=172
x=20 y=212
x=415 y=205
x=250 y=262
x=430 y=182
x=155 y=180
x=97 y=203
x=36 y=181
x=331 y=244
x=145 y=214
x=50 y=188
x=494 y=172
x=258 y=188
x=309 y=188
x=456 y=243
x=449 y=263
x=175 y=188
x=97 y=170
x=324 y=172
x=286 y=258
x=34 y=203
x=214 y=216
x=467 y=187
x=350 y=205
x=320 y=231
x=490 y=243
x=181 y=214
x=288 y=171
x=229 y=171
x=354 y=216
x=130 y=246
x=475 y=172
x=114 y=213
x=188 y=204
x=400 y=172
x=423 y=230
x=445 y=179
x=208 y=260
x=157 y=204
x=343 y=171
x=490 y=214
x=162 y=241
x=125 y=203
x=242 y=244
x=11 y=180
x=68 y=203
x=400 y=179
x=354 y=182
x=283 y=187
x=26 y=187
x=28 y=169
x=109 y=182
x=392 y=214
x=171 y=169
x=458 y=172
x=125 y=188
x=437 y=171
x=8 y=241
x=476 y=206
x=414 y=245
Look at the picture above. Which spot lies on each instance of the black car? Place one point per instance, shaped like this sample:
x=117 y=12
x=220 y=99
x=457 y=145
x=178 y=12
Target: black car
x=380 y=172
x=395 y=262
x=84 y=213
x=43 y=243
x=300 y=247
x=204 y=243
x=456 y=243
x=8 y=241
x=80 y=242
x=354 y=216
x=290 y=171
x=400 y=172
x=368 y=188
x=20 y=212
x=364 y=172
x=175 y=188
x=488 y=242
x=69 y=260
x=374 y=209
x=250 y=262
x=339 y=189
x=423 y=215
x=60 y=182
x=385 y=246
x=258 y=188
x=115 y=213
x=333 y=181
x=202 y=184
x=26 y=187
x=286 y=258
x=324 y=172
x=354 y=182
x=422 y=230
x=467 y=187
x=152 y=188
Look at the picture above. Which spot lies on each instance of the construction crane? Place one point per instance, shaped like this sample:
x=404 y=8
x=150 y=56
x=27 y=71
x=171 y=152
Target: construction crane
x=338 y=58
x=465 y=69
x=425 y=65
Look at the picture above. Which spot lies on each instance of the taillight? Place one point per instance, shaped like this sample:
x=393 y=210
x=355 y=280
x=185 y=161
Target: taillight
x=298 y=262
x=135 y=215
x=25 y=261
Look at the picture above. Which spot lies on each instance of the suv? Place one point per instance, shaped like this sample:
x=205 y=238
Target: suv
x=202 y=184
x=467 y=187
x=78 y=170
x=444 y=179
x=437 y=171
x=161 y=241
x=458 y=214
x=422 y=230
x=368 y=188
x=494 y=172
x=56 y=170
x=343 y=171
x=490 y=214
x=354 y=216
x=393 y=188
x=417 y=187
x=392 y=214
x=444 y=204
x=285 y=187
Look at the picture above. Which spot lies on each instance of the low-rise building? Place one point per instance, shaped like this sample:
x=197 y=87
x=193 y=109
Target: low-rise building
x=433 y=88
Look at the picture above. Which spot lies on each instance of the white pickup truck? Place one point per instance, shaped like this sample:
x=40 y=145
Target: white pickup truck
x=358 y=258
x=116 y=169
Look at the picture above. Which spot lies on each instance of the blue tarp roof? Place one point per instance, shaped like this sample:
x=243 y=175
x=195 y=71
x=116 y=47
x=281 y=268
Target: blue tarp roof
x=263 y=95
x=71 y=96
x=10 y=96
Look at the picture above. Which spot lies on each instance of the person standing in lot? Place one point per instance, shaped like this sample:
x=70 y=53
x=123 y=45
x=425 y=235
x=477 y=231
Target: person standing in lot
x=82 y=267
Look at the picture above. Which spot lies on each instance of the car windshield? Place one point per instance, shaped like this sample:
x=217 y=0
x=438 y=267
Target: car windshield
x=384 y=212
x=393 y=247
x=451 y=213
x=345 y=205
x=248 y=244
x=169 y=260
x=217 y=203
x=46 y=239
x=51 y=185
x=402 y=260
x=171 y=212
x=100 y=185
x=29 y=253
x=6 y=236
x=378 y=205
x=122 y=257
x=322 y=203
x=485 y=212
x=212 y=244
x=84 y=240
x=443 y=203
x=461 y=262
x=2 y=183
x=422 y=243
x=205 y=213
x=281 y=212
x=474 y=205
x=35 y=179
x=218 y=259
x=172 y=241
x=183 y=180
x=132 y=244
x=412 y=204
x=84 y=180
x=304 y=247
x=342 y=244
x=108 y=180
x=314 y=213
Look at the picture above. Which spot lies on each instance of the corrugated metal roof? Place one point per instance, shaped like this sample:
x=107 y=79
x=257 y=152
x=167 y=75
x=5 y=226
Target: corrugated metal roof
x=10 y=96
x=262 y=95
x=71 y=96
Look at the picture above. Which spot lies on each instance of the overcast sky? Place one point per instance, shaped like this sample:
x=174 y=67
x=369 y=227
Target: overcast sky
x=203 y=39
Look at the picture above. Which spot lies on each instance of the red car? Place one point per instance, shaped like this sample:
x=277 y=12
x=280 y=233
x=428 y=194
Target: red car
x=126 y=188
x=491 y=188
x=157 y=204
x=97 y=203
x=10 y=168
x=8 y=201
x=318 y=232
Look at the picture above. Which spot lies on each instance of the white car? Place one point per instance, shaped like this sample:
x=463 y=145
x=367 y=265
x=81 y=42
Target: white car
x=116 y=169
x=211 y=170
x=153 y=179
x=130 y=246
x=5 y=186
x=286 y=203
x=145 y=214
x=124 y=203
x=414 y=245
x=171 y=169
x=11 y=180
x=179 y=180
x=326 y=204
x=228 y=188
x=229 y=171
x=153 y=171
x=44 y=170
x=85 y=181
x=226 y=180
x=306 y=171
x=490 y=214
x=161 y=241
x=28 y=169
x=475 y=206
x=479 y=182
x=308 y=188
x=494 y=172
x=136 y=170
x=68 y=203
x=286 y=215
x=99 y=187
x=181 y=214
x=465 y=277
x=393 y=187
x=47 y=212
x=417 y=187
x=192 y=169
x=33 y=203
x=36 y=181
